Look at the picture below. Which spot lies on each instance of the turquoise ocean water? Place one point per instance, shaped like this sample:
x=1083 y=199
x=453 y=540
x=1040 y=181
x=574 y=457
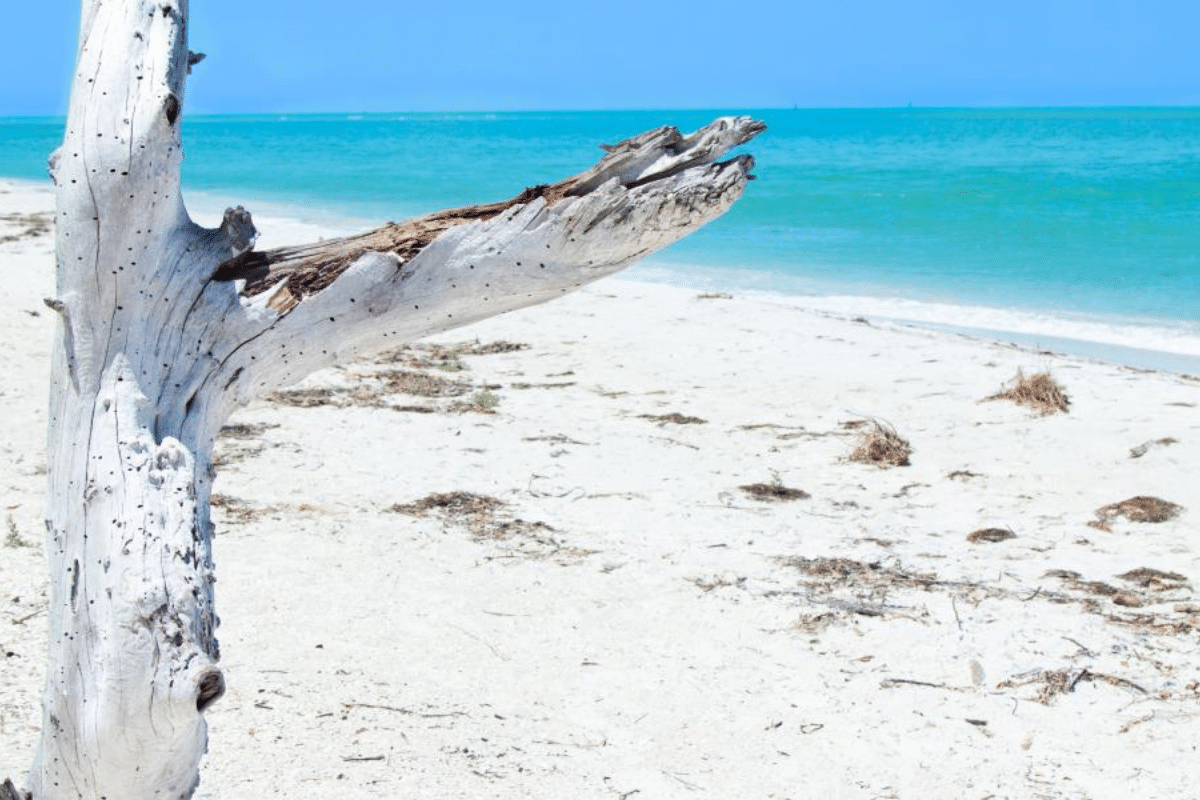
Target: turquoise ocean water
x=1054 y=226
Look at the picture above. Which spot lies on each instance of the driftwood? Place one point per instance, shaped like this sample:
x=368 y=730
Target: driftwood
x=166 y=327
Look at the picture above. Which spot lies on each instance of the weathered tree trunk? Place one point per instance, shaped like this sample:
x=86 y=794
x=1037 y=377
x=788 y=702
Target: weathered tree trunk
x=166 y=327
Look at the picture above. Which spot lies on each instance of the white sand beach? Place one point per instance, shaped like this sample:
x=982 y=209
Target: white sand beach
x=518 y=561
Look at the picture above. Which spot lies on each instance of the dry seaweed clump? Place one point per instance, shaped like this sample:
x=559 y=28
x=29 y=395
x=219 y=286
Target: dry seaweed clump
x=30 y=225
x=990 y=535
x=775 y=492
x=1154 y=579
x=674 y=418
x=451 y=503
x=1039 y=392
x=325 y=396
x=1136 y=509
x=880 y=445
x=487 y=519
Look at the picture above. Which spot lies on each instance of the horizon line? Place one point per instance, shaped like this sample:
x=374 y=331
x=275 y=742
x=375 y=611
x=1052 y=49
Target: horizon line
x=718 y=108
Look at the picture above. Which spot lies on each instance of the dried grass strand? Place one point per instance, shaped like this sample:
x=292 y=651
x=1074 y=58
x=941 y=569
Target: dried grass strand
x=1038 y=391
x=881 y=446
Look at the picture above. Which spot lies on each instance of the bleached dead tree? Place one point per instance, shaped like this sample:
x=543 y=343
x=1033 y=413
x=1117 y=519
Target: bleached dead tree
x=166 y=327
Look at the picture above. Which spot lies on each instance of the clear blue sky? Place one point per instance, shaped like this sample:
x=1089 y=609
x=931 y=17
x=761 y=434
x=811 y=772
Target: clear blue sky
x=389 y=55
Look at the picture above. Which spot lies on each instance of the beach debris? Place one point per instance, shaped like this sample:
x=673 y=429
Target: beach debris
x=487 y=518
x=478 y=348
x=244 y=430
x=708 y=584
x=316 y=397
x=446 y=357
x=1144 y=447
x=674 y=418
x=239 y=442
x=1074 y=581
x=880 y=445
x=378 y=386
x=1136 y=509
x=1153 y=579
x=522 y=385
x=30 y=226
x=484 y=401
x=1038 y=391
x=236 y=510
x=835 y=573
x=714 y=296
x=455 y=504
x=1057 y=682
x=421 y=384
x=990 y=535
x=1150 y=586
x=892 y=683
x=774 y=492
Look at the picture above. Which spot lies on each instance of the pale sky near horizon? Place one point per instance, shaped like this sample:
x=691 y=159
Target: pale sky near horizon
x=383 y=55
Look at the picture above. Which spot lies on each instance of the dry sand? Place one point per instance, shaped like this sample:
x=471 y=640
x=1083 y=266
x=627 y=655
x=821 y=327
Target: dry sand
x=603 y=612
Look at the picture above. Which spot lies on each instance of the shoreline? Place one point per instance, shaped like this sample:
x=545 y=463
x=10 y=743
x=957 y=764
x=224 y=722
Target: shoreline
x=1156 y=344
x=1143 y=343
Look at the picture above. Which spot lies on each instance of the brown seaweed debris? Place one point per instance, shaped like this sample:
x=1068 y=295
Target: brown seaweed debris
x=1138 y=509
x=840 y=572
x=236 y=510
x=990 y=535
x=32 y=225
x=421 y=384
x=488 y=519
x=1153 y=579
x=882 y=446
x=674 y=418
x=477 y=348
x=776 y=492
x=325 y=396
x=244 y=430
x=452 y=504
x=1039 y=392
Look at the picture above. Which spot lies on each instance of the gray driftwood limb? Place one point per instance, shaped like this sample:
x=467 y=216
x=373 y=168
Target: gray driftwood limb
x=165 y=327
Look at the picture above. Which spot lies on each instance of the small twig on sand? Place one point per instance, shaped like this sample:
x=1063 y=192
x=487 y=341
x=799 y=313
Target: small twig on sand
x=1083 y=649
x=891 y=683
x=693 y=787
x=377 y=707
x=406 y=711
x=1125 y=728
x=482 y=641
x=28 y=617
